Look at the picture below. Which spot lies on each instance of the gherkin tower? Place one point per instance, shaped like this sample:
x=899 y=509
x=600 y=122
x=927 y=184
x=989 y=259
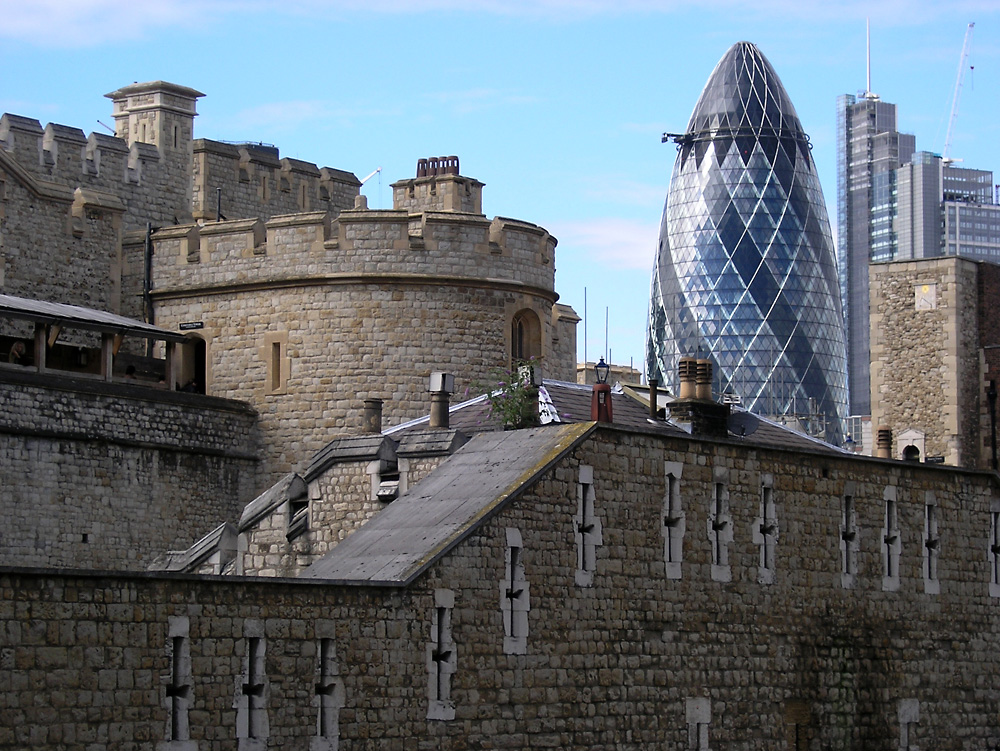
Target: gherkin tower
x=745 y=271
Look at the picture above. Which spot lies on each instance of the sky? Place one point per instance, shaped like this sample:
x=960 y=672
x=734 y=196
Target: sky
x=558 y=106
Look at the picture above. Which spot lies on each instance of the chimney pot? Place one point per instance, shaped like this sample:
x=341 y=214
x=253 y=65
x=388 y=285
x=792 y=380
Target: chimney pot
x=883 y=443
x=687 y=369
x=703 y=379
x=653 y=395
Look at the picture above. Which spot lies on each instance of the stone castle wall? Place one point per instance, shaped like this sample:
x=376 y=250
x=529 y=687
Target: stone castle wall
x=301 y=312
x=924 y=352
x=106 y=476
x=74 y=208
x=634 y=660
x=254 y=182
x=989 y=351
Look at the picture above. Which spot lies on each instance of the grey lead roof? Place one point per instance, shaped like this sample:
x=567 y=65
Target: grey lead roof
x=416 y=529
x=81 y=318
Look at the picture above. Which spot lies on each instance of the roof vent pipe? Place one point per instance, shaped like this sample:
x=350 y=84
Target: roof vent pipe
x=371 y=421
x=687 y=369
x=441 y=385
x=653 y=384
x=883 y=443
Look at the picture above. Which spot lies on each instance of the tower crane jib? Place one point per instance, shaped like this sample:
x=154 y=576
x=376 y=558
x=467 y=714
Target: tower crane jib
x=958 y=92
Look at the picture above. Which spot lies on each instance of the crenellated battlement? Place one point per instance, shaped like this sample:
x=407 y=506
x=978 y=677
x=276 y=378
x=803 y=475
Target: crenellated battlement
x=252 y=180
x=64 y=155
x=321 y=244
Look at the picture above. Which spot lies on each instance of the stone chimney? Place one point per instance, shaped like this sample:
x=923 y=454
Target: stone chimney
x=695 y=406
x=438 y=186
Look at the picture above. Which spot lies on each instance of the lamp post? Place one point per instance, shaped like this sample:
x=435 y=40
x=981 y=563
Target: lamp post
x=600 y=401
x=601 y=370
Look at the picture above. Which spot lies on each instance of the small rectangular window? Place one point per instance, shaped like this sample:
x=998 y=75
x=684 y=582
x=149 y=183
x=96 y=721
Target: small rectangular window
x=514 y=596
x=442 y=658
x=179 y=687
x=588 y=528
x=891 y=541
x=329 y=695
x=673 y=520
x=275 y=366
x=720 y=525
x=251 y=699
x=994 y=552
x=849 y=542
x=765 y=532
x=932 y=545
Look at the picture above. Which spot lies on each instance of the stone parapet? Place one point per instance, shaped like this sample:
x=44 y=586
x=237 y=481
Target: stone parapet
x=99 y=475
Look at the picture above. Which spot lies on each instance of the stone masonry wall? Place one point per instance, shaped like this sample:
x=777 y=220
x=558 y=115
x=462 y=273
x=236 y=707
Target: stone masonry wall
x=989 y=350
x=634 y=660
x=57 y=245
x=300 y=312
x=340 y=501
x=256 y=183
x=924 y=351
x=97 y=475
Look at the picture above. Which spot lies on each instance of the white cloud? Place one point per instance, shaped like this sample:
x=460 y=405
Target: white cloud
x=625 y=192
x=610 y=241
x=287 y=116
x=476 y=100
x=85 y=23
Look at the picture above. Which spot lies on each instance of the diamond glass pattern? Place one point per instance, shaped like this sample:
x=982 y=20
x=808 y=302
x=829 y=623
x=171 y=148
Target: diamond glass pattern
x=745 y=273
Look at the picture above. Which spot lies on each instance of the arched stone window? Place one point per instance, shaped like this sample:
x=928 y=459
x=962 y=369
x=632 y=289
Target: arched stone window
x=525 y=336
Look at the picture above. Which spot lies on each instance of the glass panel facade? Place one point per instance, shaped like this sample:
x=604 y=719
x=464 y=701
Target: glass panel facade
x=745 y=273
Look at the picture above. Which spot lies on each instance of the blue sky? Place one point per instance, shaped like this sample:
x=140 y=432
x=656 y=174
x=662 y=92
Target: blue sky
x=557 y=105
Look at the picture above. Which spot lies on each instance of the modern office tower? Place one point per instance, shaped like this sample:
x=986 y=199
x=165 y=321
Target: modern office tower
x=945 y=210
x=869 y=150
x=745 y=273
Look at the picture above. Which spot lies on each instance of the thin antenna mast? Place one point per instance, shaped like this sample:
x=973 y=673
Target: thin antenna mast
x=868 y=56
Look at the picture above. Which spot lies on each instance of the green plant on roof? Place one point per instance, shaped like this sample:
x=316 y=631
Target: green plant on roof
x=512 y=395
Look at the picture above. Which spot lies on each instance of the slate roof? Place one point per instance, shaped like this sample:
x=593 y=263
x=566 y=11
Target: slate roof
x=415 y=530
x=572 y=405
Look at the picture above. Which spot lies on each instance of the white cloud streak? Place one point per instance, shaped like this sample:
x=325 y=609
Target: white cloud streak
x=86 y=23
x=612 y=242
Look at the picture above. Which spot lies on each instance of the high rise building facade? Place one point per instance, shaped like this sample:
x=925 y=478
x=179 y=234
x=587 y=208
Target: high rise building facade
x=745 y=273
x=869 y=150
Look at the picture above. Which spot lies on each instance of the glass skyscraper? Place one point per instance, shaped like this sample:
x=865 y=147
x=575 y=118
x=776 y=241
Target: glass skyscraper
x=745 y=272
x=869 y=150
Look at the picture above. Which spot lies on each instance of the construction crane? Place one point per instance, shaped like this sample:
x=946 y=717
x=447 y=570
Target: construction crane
x=958 y=93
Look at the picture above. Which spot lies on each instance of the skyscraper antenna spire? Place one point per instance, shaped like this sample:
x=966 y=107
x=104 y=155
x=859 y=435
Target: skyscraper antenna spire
x=868 y=56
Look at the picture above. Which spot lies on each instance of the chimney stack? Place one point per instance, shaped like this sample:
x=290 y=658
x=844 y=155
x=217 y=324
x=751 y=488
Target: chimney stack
x=883 y=443
x=687 y=369
x=441 y=385
x=695 y=406
x=703 y=379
